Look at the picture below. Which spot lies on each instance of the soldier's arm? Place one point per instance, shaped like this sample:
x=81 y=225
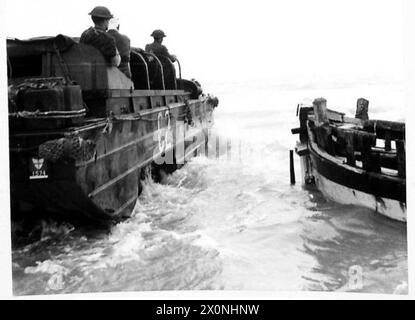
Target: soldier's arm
x=116 y=60
x=166 y=53
x=111 y=52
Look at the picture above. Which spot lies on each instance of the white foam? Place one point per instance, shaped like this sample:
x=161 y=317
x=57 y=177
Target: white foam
x=47 y=266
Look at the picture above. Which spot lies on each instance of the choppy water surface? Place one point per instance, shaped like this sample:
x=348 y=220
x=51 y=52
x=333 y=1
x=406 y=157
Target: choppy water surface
x=233 y=223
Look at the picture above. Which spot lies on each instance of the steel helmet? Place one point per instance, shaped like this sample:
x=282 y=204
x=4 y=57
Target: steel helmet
x=101 y=12
x=158 y=34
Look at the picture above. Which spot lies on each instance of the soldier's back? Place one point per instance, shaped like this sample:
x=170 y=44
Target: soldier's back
x=157 y=49
x=100 y=40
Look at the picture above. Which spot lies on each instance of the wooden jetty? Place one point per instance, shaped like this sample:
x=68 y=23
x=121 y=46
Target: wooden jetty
x=353 y=160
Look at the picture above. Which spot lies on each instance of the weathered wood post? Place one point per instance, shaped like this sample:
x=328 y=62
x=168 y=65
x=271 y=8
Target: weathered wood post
x=320 y=110
x=400 y=152
x=388 y=146
x=370 y=160
x=322 y=128
x=326 y=132
x=292 y=172
x=303 y=123
x=362 y=109
x=348 y=136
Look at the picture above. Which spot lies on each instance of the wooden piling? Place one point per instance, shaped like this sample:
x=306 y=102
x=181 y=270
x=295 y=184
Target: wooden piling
x=346 y=143
x=362 y=109
x=292 y=172
x=387 y=137
x=400 y=152
x=320 y=110
x=330 y=147
x=370 y=160
x=354 y=140
x=303 y=116
x=322 y=127
x=323 y=137
x=350 y=147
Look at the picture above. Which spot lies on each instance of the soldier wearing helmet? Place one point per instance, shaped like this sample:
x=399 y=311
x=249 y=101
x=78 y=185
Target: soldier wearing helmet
x=157 y=48
x=98 y=37
x=123 y=45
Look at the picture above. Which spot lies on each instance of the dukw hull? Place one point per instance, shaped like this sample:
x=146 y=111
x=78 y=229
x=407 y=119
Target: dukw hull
x=105 y=186
x=82 y=133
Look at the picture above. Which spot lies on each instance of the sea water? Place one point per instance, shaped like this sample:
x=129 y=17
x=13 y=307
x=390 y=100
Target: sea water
x=232 y=221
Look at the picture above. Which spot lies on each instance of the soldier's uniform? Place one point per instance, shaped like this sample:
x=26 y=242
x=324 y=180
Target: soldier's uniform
x=124 y=48
x=100 y=40
x=159 y=50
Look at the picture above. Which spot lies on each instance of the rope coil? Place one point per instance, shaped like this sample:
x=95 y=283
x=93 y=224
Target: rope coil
x=48 y=114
